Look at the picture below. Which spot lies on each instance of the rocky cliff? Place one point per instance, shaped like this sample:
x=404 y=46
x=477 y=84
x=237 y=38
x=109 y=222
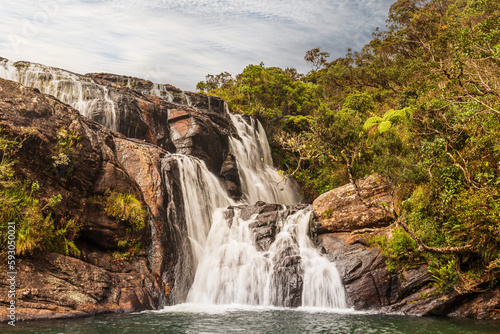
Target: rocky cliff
x=127 y=128
x=128 y=161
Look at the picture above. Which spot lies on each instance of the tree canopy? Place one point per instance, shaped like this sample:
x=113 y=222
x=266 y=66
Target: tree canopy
x=419 y=105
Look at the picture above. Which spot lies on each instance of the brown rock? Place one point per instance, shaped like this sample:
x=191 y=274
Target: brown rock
x=484 y=305
x=53 y=285
x=340 y=209
x=56 y=286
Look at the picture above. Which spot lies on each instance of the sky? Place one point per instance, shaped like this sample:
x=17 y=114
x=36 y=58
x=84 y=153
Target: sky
x=181 y=41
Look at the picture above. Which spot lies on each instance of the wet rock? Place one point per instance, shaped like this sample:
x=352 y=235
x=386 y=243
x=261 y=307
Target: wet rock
x=368 y=283
x=193 y=133
x=340 y=209
x=267 y=217
x=231 y=177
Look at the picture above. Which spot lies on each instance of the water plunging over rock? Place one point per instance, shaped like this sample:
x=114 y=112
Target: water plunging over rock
x=260 y=181
x=262 y=255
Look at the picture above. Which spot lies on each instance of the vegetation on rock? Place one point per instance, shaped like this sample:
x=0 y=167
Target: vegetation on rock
x=126 y=208
x=37 y=229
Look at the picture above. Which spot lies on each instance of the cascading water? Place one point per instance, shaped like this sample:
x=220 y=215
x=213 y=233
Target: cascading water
x=229 y=268
x=160 y=91
x=233 y=271
x=202 y=194
x=82 y=93
x=259 y=180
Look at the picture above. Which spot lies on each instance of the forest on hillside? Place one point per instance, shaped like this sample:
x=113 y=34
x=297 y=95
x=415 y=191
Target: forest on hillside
x=420 y=106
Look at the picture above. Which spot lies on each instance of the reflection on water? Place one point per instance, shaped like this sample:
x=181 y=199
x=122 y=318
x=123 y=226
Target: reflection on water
x=192 y=318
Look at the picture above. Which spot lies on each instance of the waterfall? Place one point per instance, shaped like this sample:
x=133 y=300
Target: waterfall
x=229 y=267
x=202 y=194
x=259 y=180
x=232 y=271
x=91 y=99
x=221 y=252
x=160 y=91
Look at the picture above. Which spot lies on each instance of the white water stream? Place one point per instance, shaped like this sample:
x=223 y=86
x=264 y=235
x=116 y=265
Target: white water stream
x=82 y=93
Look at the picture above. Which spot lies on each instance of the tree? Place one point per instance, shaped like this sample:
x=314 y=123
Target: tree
x=316 y=58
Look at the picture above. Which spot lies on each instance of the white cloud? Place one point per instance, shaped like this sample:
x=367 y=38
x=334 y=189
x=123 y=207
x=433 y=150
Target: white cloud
x=180 y=41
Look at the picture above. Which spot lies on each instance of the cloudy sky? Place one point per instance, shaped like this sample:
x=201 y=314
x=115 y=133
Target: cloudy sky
x=180 y=41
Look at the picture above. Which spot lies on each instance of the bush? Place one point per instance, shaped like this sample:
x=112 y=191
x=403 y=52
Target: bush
x=126 y=208
x=400 y=249
x=36 y=229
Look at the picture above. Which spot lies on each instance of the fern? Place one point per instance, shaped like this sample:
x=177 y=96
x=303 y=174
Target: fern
x=390 y=117
x=384 y=126
x=370 y=122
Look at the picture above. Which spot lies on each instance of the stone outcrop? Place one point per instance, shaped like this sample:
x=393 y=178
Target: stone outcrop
x=340 y=209
x=368 y=283
x=177 y=121
x=341 y=231
x=186 y=123
x=54 y=285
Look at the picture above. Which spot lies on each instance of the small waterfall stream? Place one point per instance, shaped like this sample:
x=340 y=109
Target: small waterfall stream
x=229 y=267
x=259 y=180
x=82 y=93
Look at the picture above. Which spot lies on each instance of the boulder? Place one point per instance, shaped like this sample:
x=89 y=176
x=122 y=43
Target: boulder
x=340 y=209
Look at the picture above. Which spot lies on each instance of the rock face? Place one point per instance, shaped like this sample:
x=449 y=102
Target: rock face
x=80 y=288
x=368 y=284
x=187 y=123
x=178 y=122
x=340 y=209
x=53 y=285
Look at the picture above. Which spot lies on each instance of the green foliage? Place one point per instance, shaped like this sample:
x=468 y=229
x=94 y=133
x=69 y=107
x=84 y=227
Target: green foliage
x=419 y=105
x=445 y=272
x=126 y=208
x=36 y=228
x=326 y=214
x=128 y=249
x=360 y=102
x=66 y=140
x=385 y=122
x=399 y=249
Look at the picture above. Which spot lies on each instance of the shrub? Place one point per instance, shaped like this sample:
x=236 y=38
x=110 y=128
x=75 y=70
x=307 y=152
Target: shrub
x=126 y=208
x=36 y=229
